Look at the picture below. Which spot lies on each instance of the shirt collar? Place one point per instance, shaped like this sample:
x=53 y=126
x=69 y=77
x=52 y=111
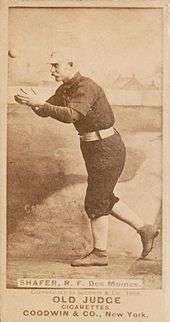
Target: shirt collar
x=73 y=80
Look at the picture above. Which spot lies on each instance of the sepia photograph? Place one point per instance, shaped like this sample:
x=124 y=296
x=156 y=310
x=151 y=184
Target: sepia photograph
x=85 y=176
x=84 y=145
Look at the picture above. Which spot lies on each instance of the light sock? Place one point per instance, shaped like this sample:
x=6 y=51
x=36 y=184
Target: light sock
x=100 y=232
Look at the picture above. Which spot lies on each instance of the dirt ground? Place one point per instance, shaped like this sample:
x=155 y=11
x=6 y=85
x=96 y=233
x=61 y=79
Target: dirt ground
x=47 y=225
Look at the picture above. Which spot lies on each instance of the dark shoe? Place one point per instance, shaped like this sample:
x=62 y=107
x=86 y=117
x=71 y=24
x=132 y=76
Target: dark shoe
x=147 y=233
x=95 y=258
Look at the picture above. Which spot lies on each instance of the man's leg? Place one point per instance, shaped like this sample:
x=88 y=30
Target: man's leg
x=98 y=256
x=122 y=212
x=147 y=232
x=100 y=232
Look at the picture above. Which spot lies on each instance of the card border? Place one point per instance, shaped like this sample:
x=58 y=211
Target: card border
x=165 y=5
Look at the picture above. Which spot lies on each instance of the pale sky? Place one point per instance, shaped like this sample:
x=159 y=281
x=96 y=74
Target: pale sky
x=106 y=42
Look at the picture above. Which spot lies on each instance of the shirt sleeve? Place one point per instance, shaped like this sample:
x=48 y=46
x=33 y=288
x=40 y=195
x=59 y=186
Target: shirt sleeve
x=61 y=113
x=40 y=111
x=84 y=97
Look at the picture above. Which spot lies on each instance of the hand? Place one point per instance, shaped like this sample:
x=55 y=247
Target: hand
x=30 y=97
x=30 y=100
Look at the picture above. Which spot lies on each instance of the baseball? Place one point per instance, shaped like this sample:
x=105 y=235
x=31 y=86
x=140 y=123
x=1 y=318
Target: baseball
x=12 y=53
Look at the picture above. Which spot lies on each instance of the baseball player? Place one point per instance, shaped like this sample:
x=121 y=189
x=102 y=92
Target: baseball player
x=80 y=101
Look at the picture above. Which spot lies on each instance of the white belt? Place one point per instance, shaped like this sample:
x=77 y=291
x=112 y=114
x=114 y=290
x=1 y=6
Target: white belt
x=97 y=135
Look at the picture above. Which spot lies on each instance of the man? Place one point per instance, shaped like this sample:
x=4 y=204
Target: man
x=79 y=100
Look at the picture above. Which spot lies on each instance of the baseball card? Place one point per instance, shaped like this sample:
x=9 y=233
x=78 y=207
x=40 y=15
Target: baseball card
x=84 y=194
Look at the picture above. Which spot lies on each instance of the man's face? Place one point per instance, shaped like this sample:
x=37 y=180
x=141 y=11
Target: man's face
x=60 y=71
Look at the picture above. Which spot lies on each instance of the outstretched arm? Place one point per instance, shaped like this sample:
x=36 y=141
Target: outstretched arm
x=45 y=109
x=61 y=113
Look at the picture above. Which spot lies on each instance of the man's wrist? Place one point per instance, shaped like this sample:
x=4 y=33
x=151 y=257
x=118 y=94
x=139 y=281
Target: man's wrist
x=35 y=108
x=40 y=110
x=48 y=107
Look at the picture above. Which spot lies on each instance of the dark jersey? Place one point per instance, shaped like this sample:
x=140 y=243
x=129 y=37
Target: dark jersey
x=86 y=97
